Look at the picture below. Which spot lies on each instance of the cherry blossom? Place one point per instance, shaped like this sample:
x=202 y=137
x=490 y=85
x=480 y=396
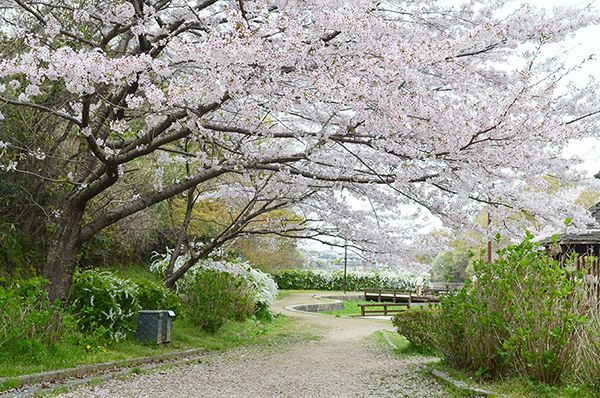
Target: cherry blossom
x=398 y=105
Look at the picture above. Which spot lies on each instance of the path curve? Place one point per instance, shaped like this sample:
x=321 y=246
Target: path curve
x=343 y=363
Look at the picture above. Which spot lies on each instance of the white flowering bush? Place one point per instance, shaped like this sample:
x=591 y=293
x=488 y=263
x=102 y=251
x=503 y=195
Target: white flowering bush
x=160 y=262
x=104 y=305
x=262 y=285
x=266 y=288
x=356 y=280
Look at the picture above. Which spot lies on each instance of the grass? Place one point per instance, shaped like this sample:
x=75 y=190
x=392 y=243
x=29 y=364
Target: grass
x=33 y=357
x=351 y=308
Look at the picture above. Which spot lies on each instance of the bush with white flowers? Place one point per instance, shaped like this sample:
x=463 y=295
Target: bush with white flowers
x=355 y=280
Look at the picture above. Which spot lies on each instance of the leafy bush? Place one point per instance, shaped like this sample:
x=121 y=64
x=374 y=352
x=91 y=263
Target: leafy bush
x=355 y=280
x=26 y=313
x=265 y=287
x=104 y=305
x=521 y=314
x=212 y=297
x=418 y=325
x=153 y=296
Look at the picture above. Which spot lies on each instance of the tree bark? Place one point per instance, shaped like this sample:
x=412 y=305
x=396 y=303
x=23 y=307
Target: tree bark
x=182 y=235
x=62 y=256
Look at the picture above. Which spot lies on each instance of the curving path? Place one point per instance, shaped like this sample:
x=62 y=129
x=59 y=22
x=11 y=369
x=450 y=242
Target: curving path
x=343 y=363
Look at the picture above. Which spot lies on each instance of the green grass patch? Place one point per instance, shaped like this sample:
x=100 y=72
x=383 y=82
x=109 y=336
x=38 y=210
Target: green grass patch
x=351 y=308
x=404 y=347
x=135 y=271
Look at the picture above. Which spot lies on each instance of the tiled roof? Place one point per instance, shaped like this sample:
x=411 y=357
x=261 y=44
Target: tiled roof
x=589 y=238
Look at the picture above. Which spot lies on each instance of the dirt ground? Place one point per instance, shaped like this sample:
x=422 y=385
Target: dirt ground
x=340 y=328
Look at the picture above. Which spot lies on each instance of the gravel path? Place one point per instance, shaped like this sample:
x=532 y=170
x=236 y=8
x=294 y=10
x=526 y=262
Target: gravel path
x=340 y=364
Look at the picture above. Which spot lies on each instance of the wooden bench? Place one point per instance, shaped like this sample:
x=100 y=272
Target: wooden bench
x=381 y=308
x=393 y=295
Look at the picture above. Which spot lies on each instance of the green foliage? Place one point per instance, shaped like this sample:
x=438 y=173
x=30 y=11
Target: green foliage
x=105 y=306
x=262 y=314
x=213 y=297
x=519 y=315
x=104 y=248
x=26 y=315
x=19 y=254
x=334 y=280
x=418 y=325
x=153 y=296
x=453 y=265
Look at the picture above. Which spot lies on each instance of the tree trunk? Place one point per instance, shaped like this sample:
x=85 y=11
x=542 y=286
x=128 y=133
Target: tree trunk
x=62 y=256
x=191 y=199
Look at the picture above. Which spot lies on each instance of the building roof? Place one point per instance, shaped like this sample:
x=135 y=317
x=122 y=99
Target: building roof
x=591 y=237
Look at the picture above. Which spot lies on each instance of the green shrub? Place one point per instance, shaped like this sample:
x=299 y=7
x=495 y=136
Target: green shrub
x=418 y=325
x=104 y=305
x=212 y=297
x=521 y=315
x=153 y=296
x=26 y=313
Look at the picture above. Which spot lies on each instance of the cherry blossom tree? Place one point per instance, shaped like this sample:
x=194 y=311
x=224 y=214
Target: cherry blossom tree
x=444 y=108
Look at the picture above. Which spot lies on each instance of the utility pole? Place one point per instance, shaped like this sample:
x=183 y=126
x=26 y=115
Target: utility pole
x=345 y=264
x=489 y=250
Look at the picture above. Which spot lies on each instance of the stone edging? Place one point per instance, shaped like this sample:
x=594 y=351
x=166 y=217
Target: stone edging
x=461 y=385
x=317 y=307
x=54 y=375
x=344 y=297
x=336 y=305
